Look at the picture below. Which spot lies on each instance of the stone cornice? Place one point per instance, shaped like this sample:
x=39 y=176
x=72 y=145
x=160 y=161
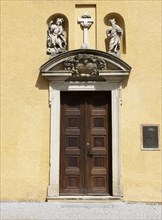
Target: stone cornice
x=85 y=65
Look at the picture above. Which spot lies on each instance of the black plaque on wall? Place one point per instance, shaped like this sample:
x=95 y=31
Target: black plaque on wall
x=150 y=136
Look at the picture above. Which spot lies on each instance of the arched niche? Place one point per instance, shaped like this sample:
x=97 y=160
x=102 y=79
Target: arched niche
x=65 y=24
x=119 y=21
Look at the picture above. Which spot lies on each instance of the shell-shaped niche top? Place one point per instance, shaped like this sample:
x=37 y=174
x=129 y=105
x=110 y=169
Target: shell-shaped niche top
x=56 y=42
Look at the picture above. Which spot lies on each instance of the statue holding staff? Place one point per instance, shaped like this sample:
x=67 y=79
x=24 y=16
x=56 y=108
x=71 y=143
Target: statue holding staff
x=114 y=33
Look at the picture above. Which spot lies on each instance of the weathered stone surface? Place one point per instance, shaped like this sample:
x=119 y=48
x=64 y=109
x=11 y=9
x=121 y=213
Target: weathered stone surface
x=56 y=42
x=114 y=33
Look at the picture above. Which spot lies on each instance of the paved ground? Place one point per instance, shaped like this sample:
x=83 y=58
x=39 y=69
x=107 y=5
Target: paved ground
x=80 y=210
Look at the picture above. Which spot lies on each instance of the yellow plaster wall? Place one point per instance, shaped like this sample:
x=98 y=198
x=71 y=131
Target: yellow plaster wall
x=25 y=113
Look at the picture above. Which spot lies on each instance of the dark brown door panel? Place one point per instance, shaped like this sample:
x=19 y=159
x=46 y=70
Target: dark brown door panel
x=85 y=155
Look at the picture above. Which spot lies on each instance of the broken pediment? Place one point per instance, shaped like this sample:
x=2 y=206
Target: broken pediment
x=85 y=65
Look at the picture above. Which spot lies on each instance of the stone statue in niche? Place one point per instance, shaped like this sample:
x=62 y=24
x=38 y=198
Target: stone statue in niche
x=114 y=33
x=56 y=42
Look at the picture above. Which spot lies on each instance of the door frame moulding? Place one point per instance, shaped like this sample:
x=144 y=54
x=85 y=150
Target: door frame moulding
x=64 y=74
x=55 y=89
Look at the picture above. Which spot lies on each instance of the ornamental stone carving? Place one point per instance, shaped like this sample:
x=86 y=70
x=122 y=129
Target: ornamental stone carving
x=85 y=65
x=56 y=42
x=114 y=33
x=85 y=22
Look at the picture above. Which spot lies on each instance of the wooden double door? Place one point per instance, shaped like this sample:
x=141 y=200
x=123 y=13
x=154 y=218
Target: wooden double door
x=85 y=154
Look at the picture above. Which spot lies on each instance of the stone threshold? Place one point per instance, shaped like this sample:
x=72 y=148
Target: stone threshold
x=83 y=198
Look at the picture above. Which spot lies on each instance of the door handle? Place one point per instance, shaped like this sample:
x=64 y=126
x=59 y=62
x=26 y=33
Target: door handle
x=89 y=152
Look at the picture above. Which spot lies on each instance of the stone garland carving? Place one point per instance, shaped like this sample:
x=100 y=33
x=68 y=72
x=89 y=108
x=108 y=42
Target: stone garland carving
x=114 y=33
x=85 y=65
x=56 y=42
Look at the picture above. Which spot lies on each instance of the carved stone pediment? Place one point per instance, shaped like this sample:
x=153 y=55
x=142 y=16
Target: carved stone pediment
x=85 y=65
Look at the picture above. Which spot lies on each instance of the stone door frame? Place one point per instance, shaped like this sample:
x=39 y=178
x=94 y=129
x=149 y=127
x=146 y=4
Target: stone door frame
x=55 y=88
x=100 y=71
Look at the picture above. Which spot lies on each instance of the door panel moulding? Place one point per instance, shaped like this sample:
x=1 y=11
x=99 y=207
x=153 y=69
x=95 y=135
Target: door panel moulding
x=85 y=152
